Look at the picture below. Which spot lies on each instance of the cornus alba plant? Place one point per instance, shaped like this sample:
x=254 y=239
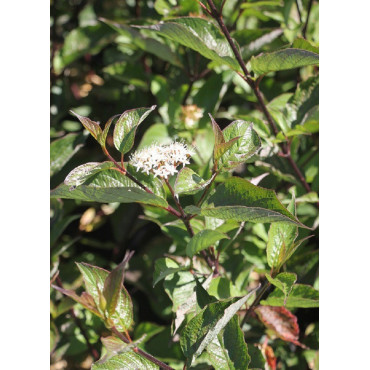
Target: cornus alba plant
x=230 y=269
x=206 y=324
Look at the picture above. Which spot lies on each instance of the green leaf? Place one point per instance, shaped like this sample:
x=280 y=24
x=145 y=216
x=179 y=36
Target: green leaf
x=200 y=35
x=165 y=267
x=104 y=134
x=113 y=346
x=113 y=285
x=57 y=228
x=127 y=360
x=229 y=351
x=147 y=44
x=94 y=278
x=203 y=240
x=221 y=146
x=303 y=296
x=81 y=41
x=189 y=305
x=179 y=287
x=202 y=329
x=247 y=143
x=223 y=288
x=301 y=43
x=239 y=200
x=283 y=281
x=82 y=173
x=62 y=150
x=91 y=126
x=189 y=182
x=106 y=187
x=283 y=59
x=281 y=237
x=126 y=125
x=157 y=133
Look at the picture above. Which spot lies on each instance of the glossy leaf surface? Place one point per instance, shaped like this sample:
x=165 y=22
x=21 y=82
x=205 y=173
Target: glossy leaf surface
x=125 y=128
x=94 y=278
x=200 y=35
x=203 y=240
x=206 y=325
x=237 y=199
x=106 y=187
x=189 y=182
x=283 y=59
x=284 y=281
x=62 y=150
x=303 y=296
x=281 y=321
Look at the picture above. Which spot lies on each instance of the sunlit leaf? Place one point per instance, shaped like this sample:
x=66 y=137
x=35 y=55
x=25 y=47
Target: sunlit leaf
x=62 y=150
x=303 y=296
x=165 y=267
x=126 y=126
x=281 y=321
x=199 y=35
x=94 y=278
x=106 y=187
x=202 y=329
x=283 y=59
x=239 y=200
x=203 y=240
x=189 y=182
x=284 y=281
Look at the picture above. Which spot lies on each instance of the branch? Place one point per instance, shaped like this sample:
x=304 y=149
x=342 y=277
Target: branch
x=254 y=86
x=255 y=302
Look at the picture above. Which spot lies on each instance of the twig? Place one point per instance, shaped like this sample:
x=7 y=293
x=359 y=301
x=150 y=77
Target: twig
x=186 y=221
x=149 y=357
x=206 y=189
x=304 y=29
x=299 y=11
x=255 y=302
x=247 y=77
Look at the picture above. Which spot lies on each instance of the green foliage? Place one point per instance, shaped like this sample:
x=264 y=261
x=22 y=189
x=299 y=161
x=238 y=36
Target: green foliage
x=283 y=59
x=200 y=35
x=230 y=213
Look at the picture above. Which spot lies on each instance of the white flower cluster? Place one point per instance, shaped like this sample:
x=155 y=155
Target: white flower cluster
x=162 y=160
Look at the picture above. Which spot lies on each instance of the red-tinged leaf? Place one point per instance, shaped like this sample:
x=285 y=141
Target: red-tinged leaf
x=219 y=136
x=281 y=321
x=222 y=148
x=85 y=300
x=113 y=285
x=269 y=356
x=92 y=126
x=104 y=134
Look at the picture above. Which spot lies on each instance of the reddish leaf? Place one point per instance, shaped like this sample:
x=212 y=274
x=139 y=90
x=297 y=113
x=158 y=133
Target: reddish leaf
x=269 y=356
x=85 y=300
x=92 y=126
x=281 y=321
x=219 y=136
